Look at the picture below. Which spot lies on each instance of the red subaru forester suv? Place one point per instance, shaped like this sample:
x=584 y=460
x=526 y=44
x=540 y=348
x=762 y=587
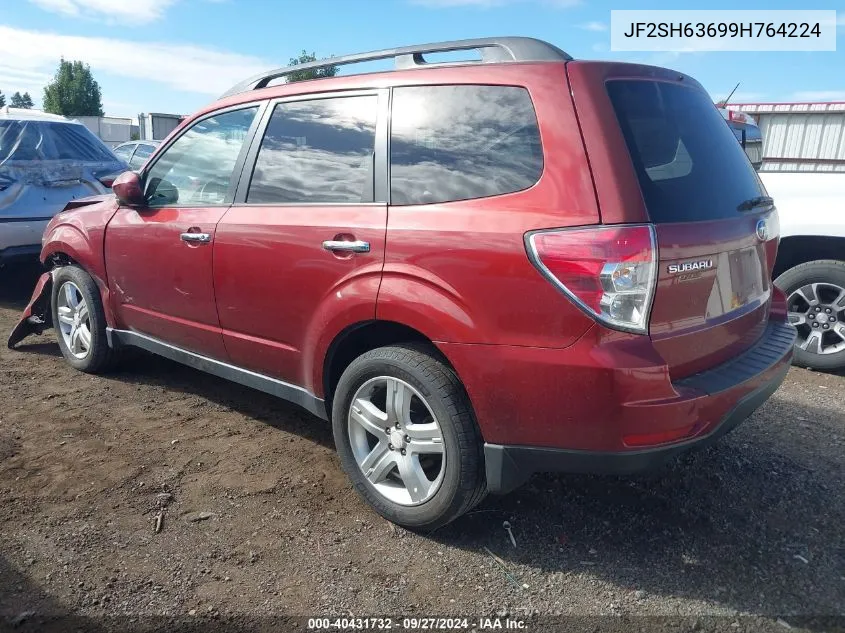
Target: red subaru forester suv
x=477 y=270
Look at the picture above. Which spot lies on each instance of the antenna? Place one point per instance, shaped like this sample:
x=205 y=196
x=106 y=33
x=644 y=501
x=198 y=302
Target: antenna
x=724 y=101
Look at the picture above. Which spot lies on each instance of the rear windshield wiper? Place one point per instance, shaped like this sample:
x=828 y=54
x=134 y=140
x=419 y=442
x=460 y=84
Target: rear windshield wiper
x=755 y=203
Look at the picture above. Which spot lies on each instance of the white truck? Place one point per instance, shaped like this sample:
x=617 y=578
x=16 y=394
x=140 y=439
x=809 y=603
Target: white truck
x=810 y=266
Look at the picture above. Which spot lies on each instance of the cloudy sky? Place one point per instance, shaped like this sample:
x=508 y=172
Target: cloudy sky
x=176 y=55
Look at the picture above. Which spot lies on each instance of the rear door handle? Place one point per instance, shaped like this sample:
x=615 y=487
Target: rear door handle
x=196 y=237
x=346 y=246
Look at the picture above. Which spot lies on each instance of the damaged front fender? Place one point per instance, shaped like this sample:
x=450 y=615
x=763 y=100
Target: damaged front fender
x=37 y=316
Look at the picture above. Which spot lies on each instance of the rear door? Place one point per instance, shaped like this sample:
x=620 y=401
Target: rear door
x=716 y=232
x=301 y=250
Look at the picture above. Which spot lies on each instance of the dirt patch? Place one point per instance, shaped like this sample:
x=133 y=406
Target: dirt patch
x=753 y=525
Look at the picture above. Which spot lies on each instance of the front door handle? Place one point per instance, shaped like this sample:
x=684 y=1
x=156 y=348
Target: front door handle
x=347 y=246
x=196 y=237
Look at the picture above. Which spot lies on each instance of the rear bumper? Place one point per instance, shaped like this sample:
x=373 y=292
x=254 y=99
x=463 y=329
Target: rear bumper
x=608 y=403
x=508 y=467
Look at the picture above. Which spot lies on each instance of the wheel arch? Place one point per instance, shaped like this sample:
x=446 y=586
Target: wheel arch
x=794 y=250
x=68 y=246
x=362 y=337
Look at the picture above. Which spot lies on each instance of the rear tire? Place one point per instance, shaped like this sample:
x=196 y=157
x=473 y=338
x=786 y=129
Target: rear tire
x=816 y=298
x=423 y=454
x=79 y=321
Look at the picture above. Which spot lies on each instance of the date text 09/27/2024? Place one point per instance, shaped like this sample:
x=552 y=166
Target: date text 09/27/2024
x=417 y=624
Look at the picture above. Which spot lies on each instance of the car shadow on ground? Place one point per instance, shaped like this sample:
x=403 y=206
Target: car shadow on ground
x=715 y=525
x=25 y=607
x=16 y=284
x=141 y=368
x=32 y=345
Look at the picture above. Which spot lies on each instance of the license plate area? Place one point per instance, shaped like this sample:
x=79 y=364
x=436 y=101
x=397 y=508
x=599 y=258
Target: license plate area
x=740 y=279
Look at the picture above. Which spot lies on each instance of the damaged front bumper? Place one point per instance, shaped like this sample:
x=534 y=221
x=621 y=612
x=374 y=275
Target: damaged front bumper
x=37 y=316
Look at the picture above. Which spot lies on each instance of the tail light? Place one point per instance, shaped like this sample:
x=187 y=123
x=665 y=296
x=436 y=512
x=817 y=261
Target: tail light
x=740 y=117
x=608 y=271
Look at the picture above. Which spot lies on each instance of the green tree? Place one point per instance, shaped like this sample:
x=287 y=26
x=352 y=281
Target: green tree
x=2 y=99
x=315 y=73
x=21 y=101
x=73 y=91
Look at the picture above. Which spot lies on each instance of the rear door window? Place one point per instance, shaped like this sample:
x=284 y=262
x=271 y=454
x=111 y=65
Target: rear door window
x=461 y=142
x=319 y=152
x=688 y=162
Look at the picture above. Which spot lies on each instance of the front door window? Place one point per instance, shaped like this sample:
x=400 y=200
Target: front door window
x=197 y=169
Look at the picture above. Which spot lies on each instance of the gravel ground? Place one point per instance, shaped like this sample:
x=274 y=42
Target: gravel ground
x=259 y=521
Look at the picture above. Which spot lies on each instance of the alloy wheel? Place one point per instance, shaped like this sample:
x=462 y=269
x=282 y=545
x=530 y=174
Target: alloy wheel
x=817 y=311
x=74 y=320
x=396 y=440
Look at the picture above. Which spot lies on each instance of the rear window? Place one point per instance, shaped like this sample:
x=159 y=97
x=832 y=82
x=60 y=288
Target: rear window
x=460 y=142
x=140 y=156
x=39 y=140
x=750 y=139
x=688 y=162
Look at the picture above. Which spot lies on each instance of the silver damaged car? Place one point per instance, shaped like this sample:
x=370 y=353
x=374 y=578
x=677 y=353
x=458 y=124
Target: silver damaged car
x=46 y=161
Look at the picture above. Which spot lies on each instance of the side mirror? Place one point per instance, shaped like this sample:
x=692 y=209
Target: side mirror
x=108 y=180
x=127 y=188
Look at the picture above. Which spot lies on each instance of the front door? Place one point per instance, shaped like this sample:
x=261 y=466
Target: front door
x=302 y=249
x=159 y=256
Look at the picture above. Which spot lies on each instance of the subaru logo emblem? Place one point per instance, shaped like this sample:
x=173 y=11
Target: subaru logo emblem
x=762 y=230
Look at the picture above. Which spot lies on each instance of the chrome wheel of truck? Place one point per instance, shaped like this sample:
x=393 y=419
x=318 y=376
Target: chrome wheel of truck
x=815 y=294
x=816 y=312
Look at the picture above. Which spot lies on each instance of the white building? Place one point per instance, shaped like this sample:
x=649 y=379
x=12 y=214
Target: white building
x=800 y=137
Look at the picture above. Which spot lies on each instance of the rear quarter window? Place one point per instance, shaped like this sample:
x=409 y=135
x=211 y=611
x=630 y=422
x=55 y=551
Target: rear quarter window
x=461 y=142
x=688 y=162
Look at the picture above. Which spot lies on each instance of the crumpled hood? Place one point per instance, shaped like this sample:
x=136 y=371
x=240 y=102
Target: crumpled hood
x=40 y=189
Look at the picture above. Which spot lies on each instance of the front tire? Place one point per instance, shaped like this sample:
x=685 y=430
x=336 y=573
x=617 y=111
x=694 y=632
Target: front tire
x=80 y=321
x=815 y=294
x=407 y=438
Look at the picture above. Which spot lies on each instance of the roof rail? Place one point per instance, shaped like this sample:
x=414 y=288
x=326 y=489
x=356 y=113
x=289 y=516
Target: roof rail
x=491 y=49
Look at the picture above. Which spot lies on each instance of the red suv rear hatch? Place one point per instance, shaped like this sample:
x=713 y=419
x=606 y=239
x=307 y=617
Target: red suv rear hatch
x=660 y=152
